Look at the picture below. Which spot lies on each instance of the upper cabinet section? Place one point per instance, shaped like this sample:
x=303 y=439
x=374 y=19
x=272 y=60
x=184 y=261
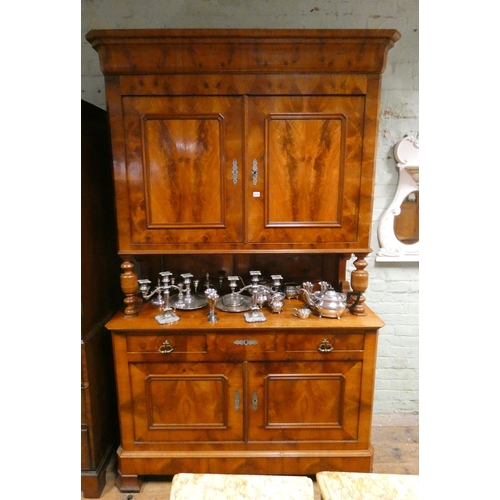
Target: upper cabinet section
x=243 y=140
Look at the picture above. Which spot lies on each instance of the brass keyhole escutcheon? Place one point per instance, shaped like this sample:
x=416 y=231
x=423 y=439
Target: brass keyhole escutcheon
x=237 y=400
x=255 y=401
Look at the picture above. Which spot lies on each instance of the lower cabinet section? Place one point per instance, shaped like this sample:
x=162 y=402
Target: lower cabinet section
x=267 y=400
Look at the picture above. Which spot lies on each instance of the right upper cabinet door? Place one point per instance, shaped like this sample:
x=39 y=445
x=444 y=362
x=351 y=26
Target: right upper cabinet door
x=304 y=165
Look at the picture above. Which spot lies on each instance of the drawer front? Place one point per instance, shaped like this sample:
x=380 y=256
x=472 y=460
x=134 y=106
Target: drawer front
x=324 y=342
x=166 y=344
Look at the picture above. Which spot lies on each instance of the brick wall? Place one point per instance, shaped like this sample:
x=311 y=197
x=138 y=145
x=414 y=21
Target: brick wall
x=393 y=292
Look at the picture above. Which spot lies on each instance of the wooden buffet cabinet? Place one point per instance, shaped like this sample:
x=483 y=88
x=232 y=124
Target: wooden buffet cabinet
x=237 y=150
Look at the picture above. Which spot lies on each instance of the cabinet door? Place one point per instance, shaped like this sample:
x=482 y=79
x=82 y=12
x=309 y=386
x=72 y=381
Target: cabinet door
x=304 y=401
x=304 y=162
x=183 y=170
x=175 y=402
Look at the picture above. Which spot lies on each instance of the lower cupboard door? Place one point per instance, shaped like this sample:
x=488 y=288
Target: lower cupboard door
x=186 y=402
x=304 y=401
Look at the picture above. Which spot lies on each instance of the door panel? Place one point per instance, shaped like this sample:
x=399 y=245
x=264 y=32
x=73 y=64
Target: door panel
x=186 y=402
x=307 y=152
x=180 y=154
x=317 y=401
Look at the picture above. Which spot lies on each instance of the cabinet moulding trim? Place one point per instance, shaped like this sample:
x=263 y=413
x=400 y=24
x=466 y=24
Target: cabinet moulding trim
x=153 y=455
x=272 y=250
x=233 y=51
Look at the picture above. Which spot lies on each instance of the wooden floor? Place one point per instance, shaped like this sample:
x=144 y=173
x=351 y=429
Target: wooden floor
x=394 y=439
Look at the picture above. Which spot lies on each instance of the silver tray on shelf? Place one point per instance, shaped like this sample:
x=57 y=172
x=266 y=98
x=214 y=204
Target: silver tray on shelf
x=197 y=302
x=234 y=303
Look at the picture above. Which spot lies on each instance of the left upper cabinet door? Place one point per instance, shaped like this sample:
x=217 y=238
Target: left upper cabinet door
x=183 y=171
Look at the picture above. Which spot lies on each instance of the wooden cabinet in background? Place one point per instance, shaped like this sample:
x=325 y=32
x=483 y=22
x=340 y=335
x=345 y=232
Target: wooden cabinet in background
x=100 y=298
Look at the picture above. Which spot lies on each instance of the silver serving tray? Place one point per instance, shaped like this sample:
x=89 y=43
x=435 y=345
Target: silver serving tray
x=224 y=304
x=198 y=302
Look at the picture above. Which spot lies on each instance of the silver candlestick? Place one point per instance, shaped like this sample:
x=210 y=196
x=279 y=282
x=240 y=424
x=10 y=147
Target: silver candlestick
x=168 y=315
x=255 y=316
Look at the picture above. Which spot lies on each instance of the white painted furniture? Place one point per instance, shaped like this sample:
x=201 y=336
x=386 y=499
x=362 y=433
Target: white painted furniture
x=240 y=487
x=366 y=486
x=393 y=249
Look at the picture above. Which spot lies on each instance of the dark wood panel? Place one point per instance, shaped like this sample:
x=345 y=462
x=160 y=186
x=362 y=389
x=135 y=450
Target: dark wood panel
x=100 y=265
x=294 y=267
x=101 y=297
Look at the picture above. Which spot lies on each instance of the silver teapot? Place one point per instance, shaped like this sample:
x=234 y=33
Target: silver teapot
x=328 y=302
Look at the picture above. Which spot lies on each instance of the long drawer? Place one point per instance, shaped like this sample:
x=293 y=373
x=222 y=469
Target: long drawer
x=240 y=346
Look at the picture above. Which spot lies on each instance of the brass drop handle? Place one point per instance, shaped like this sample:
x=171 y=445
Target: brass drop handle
x=325 y=346
x=165 y=348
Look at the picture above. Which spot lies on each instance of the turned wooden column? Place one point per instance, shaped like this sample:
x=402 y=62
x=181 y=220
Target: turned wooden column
x=359 y=283
x=130 y=286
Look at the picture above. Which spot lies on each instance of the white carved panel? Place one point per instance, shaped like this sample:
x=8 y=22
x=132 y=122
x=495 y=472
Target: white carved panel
x=392 y=249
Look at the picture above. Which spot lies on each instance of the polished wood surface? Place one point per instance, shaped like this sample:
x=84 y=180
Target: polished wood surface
x=235 y=50
x=186 y=106
x=100 y=298
x=179 y=153
x=241 y=397
x=240 y=150
x=196 y=320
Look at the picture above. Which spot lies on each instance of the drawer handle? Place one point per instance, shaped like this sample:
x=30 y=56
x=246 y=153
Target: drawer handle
x=165 y=348
x=237 y=400
x=325 y=346
x=246 y=342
